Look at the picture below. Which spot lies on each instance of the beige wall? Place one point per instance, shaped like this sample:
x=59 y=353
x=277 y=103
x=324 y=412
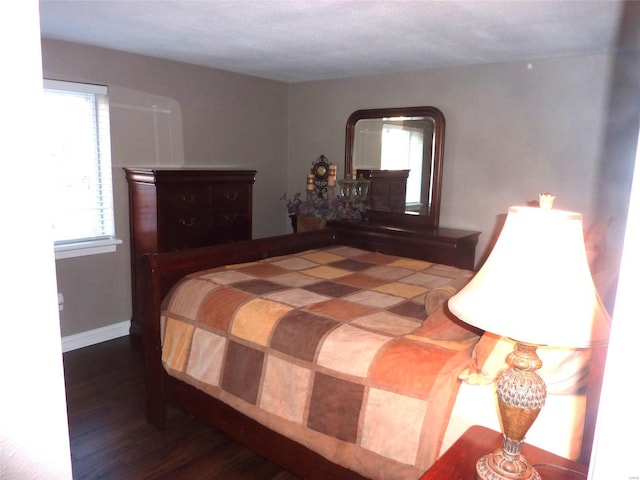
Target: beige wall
x=168 y=114
x=513 y=130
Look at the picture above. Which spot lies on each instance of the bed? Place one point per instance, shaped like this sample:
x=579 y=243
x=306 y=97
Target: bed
x=374 y=390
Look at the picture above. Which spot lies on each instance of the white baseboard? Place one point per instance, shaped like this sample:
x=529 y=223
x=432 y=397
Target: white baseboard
x=98 y=335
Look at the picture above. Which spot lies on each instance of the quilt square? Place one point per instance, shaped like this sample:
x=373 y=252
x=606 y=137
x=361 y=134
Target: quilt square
x=296 y=297
x=218 y=308
x=285 y=389
x=294 y=279
x=362 y=281
x=336 y=352
x=295 y=263
x=426 y=279
x=410 y=309
x=389 y=273
x=411 y=263
x=331 y=289
x=409 y=368
x=374 y=299
x=335 y=407
x=255 y=320
x=351 y=265
x=326 y=271
x=187 y=300
x=258 y=286
x=262 y=270
x=385 y=322
x=449 y=271
x=176 y=348
x=299 y=333
x=242 y=372
x=205 y=359
x=401 y=289
x=226 y=277
x=320 y=256
x=377 y=258
x=389 y=426
x=340 y=310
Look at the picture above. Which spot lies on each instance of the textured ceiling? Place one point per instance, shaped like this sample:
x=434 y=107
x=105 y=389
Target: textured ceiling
x=301 y=40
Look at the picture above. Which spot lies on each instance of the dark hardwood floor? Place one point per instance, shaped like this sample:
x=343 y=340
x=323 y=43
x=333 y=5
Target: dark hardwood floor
x=111 y=439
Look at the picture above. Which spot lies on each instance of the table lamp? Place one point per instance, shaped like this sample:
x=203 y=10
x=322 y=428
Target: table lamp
x=535 y=288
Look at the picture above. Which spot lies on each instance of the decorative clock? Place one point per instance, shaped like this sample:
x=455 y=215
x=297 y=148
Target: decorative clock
x=320 y=171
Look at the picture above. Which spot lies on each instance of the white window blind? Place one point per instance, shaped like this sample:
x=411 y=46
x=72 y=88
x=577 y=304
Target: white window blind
x=78 y=142
x=402 y=148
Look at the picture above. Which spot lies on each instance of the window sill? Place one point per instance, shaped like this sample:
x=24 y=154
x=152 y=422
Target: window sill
x=86 y=248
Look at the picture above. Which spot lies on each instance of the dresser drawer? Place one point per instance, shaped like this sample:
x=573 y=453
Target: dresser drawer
x=197 y=229
x=232 y=231
x=225 y=217
x=182 y=241
x=185 y=222
x=178 y=198
x=185 y=229
x=231 y=196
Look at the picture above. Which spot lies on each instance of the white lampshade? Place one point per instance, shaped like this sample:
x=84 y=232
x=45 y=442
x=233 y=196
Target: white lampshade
x=536 y=286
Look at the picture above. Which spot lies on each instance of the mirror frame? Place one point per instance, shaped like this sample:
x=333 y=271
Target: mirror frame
x=426 y=220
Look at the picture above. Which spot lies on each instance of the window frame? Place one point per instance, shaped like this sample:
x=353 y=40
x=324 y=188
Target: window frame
x=104 y=243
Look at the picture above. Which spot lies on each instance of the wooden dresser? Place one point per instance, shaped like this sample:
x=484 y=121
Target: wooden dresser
x=433 y=244
x=178 y=209
x=388 y=189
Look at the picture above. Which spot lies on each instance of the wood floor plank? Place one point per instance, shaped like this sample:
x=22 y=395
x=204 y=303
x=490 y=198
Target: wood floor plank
x=111 y=439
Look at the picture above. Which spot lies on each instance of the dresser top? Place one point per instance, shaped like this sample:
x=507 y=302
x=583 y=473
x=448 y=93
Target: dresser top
x=187 y=174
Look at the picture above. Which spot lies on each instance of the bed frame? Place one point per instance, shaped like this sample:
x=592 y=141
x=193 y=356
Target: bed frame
x=446 y=246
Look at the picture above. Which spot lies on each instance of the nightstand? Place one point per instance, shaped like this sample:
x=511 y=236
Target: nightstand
x=459 y=462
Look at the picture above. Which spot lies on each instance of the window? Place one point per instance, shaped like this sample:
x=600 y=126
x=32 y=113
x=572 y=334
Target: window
x=76 y=120
x=402 y=149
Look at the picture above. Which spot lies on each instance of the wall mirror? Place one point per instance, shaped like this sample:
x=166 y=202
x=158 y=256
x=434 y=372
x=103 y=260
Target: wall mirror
x=401 y=151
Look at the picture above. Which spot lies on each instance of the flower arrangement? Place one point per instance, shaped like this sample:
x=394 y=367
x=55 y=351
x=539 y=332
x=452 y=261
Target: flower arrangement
x=328 y=206
x=314 y=205
x=322 y=199
x=293 y=204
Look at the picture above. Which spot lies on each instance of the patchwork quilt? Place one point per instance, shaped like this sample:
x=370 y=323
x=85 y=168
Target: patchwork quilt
x=329 y=347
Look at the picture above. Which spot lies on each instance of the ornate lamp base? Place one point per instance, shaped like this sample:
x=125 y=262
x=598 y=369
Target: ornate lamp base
x=500 y=466
x=521 y=394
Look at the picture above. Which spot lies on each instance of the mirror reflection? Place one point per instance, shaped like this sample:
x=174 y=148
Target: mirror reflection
x=398 y=144
x=400 y=151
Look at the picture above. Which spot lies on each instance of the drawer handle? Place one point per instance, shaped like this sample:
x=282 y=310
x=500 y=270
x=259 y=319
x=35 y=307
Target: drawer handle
x=189 y=222
x=231 y=196
x=230 y=217
x=188 y=198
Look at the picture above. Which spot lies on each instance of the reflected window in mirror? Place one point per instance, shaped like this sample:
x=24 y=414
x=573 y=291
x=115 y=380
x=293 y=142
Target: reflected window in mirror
x=402 y=149
x=381 y=144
